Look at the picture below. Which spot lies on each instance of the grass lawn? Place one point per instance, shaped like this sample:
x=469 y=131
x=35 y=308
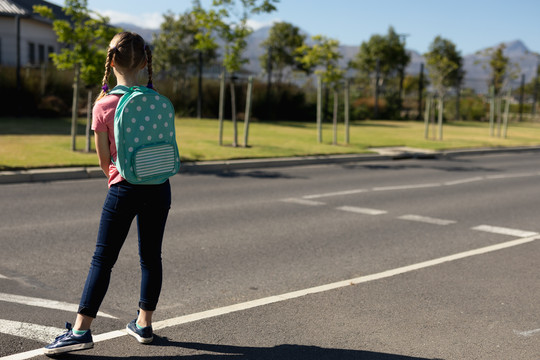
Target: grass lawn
x=39 y=143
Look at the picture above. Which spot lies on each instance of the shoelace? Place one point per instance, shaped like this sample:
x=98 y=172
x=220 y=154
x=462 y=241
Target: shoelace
x=67 y=333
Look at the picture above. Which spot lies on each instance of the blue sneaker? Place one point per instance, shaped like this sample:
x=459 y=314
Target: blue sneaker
x=144 y=335
x=69 y=342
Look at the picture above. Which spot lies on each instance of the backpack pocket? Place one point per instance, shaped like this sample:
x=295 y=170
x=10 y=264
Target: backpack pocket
x=155 y=160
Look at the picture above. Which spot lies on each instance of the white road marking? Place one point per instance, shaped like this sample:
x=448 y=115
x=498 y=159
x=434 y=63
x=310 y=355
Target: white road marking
x=419 y=186
x=510 y=176
x=297 y=294
x=527 y=333
x=3 y=277
x=405 y=187
x=426 y=219
x=463 y=181
x=45 y=303
x=359 y=210
x=337 y=193
x=303 y=201
x=44 y=334
x=504 y=231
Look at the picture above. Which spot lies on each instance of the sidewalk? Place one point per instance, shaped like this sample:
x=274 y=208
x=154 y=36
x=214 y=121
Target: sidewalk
x=389 y=153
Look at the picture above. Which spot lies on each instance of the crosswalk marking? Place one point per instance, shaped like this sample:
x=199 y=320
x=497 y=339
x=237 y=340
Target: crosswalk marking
x=426 y=219
x=505 y=231
x=360 y=210
x=45 y=303
x=44 y=334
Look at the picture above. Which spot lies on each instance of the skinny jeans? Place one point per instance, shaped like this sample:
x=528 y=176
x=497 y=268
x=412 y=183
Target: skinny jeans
x=150 y=204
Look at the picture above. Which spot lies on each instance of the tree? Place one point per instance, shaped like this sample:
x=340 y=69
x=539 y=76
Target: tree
x=178 y=49
x=385 y=57
x=229 y=19
x=444 y=64
x=323 y=56
x=85 y=37
x=283 y=40
x=499 y=68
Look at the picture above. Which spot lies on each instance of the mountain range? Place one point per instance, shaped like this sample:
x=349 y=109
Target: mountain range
x=475 y=64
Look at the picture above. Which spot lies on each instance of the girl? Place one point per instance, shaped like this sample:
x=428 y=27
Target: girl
x=127 y=56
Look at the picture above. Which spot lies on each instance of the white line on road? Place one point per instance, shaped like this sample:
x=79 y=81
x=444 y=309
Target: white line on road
x=510 y=176
x=303 y=201
x=419 y=186
x=527 y=333
x=297 y=294
x=505 y=231
x=426 y=219
x=44 y=334
x=337 y=193
x=405 y=187
x=359 y=210
x=45 y=303
x=464 y=181
x=3 y=277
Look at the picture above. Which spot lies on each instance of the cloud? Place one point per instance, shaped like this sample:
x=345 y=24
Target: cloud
x=256 y=25
x=146 y=20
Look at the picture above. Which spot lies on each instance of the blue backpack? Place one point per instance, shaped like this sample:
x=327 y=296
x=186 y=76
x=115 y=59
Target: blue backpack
x=145 y=136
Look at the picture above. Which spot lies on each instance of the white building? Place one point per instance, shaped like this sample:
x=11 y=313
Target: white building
x=25 y=35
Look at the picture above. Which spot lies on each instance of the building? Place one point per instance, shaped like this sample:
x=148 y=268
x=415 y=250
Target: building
x=26 y=38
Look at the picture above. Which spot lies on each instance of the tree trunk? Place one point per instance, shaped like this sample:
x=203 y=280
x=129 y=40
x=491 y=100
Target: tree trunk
x=441 y=108
x=334 y=118
x=88 y=120
x=221 y=105
x=75 y=107
x=247 y=114
x=233 y=111
x=319 y=109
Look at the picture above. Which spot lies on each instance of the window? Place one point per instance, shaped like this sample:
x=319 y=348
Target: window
x=50 y=50
x=31 y=53
x=41 y=53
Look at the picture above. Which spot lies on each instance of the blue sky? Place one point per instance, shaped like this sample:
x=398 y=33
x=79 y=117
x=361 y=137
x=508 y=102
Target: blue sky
x=471 y=24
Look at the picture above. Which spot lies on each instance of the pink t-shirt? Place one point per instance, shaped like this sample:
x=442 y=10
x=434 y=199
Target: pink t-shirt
x=103 y=121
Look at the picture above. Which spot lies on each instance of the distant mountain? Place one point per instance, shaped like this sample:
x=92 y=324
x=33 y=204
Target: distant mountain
x=475 y=65
x=147 y=34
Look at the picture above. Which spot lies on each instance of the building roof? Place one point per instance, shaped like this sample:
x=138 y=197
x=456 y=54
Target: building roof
x=25 y=8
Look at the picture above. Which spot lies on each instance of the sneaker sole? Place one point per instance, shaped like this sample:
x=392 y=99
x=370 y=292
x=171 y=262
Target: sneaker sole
x=69 y=348
x=138 y=337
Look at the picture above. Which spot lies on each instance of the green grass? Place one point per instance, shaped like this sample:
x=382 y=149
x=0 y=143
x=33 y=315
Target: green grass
x=39 y=143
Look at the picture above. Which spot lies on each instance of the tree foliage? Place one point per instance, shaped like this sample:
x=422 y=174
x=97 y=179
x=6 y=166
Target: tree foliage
x=177 y=47
x=445 y=64
x=283 y=40
x=323 y=56
x=85 y=37
x=499 y=68
x=388 y=49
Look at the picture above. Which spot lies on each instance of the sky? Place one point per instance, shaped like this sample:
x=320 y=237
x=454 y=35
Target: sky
x=471 y=25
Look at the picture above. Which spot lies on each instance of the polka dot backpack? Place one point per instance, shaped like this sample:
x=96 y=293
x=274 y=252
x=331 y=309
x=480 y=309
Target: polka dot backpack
x=145 y=136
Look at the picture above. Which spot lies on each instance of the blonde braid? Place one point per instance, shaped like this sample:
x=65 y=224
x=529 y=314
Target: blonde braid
x=105 y=88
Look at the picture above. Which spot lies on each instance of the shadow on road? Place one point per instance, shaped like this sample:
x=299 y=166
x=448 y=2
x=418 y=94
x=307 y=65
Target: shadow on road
x=280 y=352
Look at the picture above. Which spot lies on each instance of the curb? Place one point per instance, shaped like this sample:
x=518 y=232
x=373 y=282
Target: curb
x=78 y=173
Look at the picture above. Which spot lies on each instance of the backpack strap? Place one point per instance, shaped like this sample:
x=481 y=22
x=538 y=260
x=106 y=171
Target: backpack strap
x=122 y=90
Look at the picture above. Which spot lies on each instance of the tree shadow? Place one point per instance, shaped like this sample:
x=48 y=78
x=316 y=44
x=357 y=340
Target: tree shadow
x=280 y=352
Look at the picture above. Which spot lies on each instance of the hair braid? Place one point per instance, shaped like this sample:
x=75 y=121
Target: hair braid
x=108 y=67
x=149 y=65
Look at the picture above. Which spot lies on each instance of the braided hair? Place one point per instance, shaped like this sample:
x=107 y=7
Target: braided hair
x=126 y=50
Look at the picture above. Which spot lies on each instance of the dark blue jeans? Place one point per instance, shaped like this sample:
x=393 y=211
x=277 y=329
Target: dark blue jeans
x=125 y=201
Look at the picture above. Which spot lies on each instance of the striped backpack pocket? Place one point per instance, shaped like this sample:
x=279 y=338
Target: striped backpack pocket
x=144 y=131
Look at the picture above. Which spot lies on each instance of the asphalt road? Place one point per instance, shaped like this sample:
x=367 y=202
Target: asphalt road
x=410 y=259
